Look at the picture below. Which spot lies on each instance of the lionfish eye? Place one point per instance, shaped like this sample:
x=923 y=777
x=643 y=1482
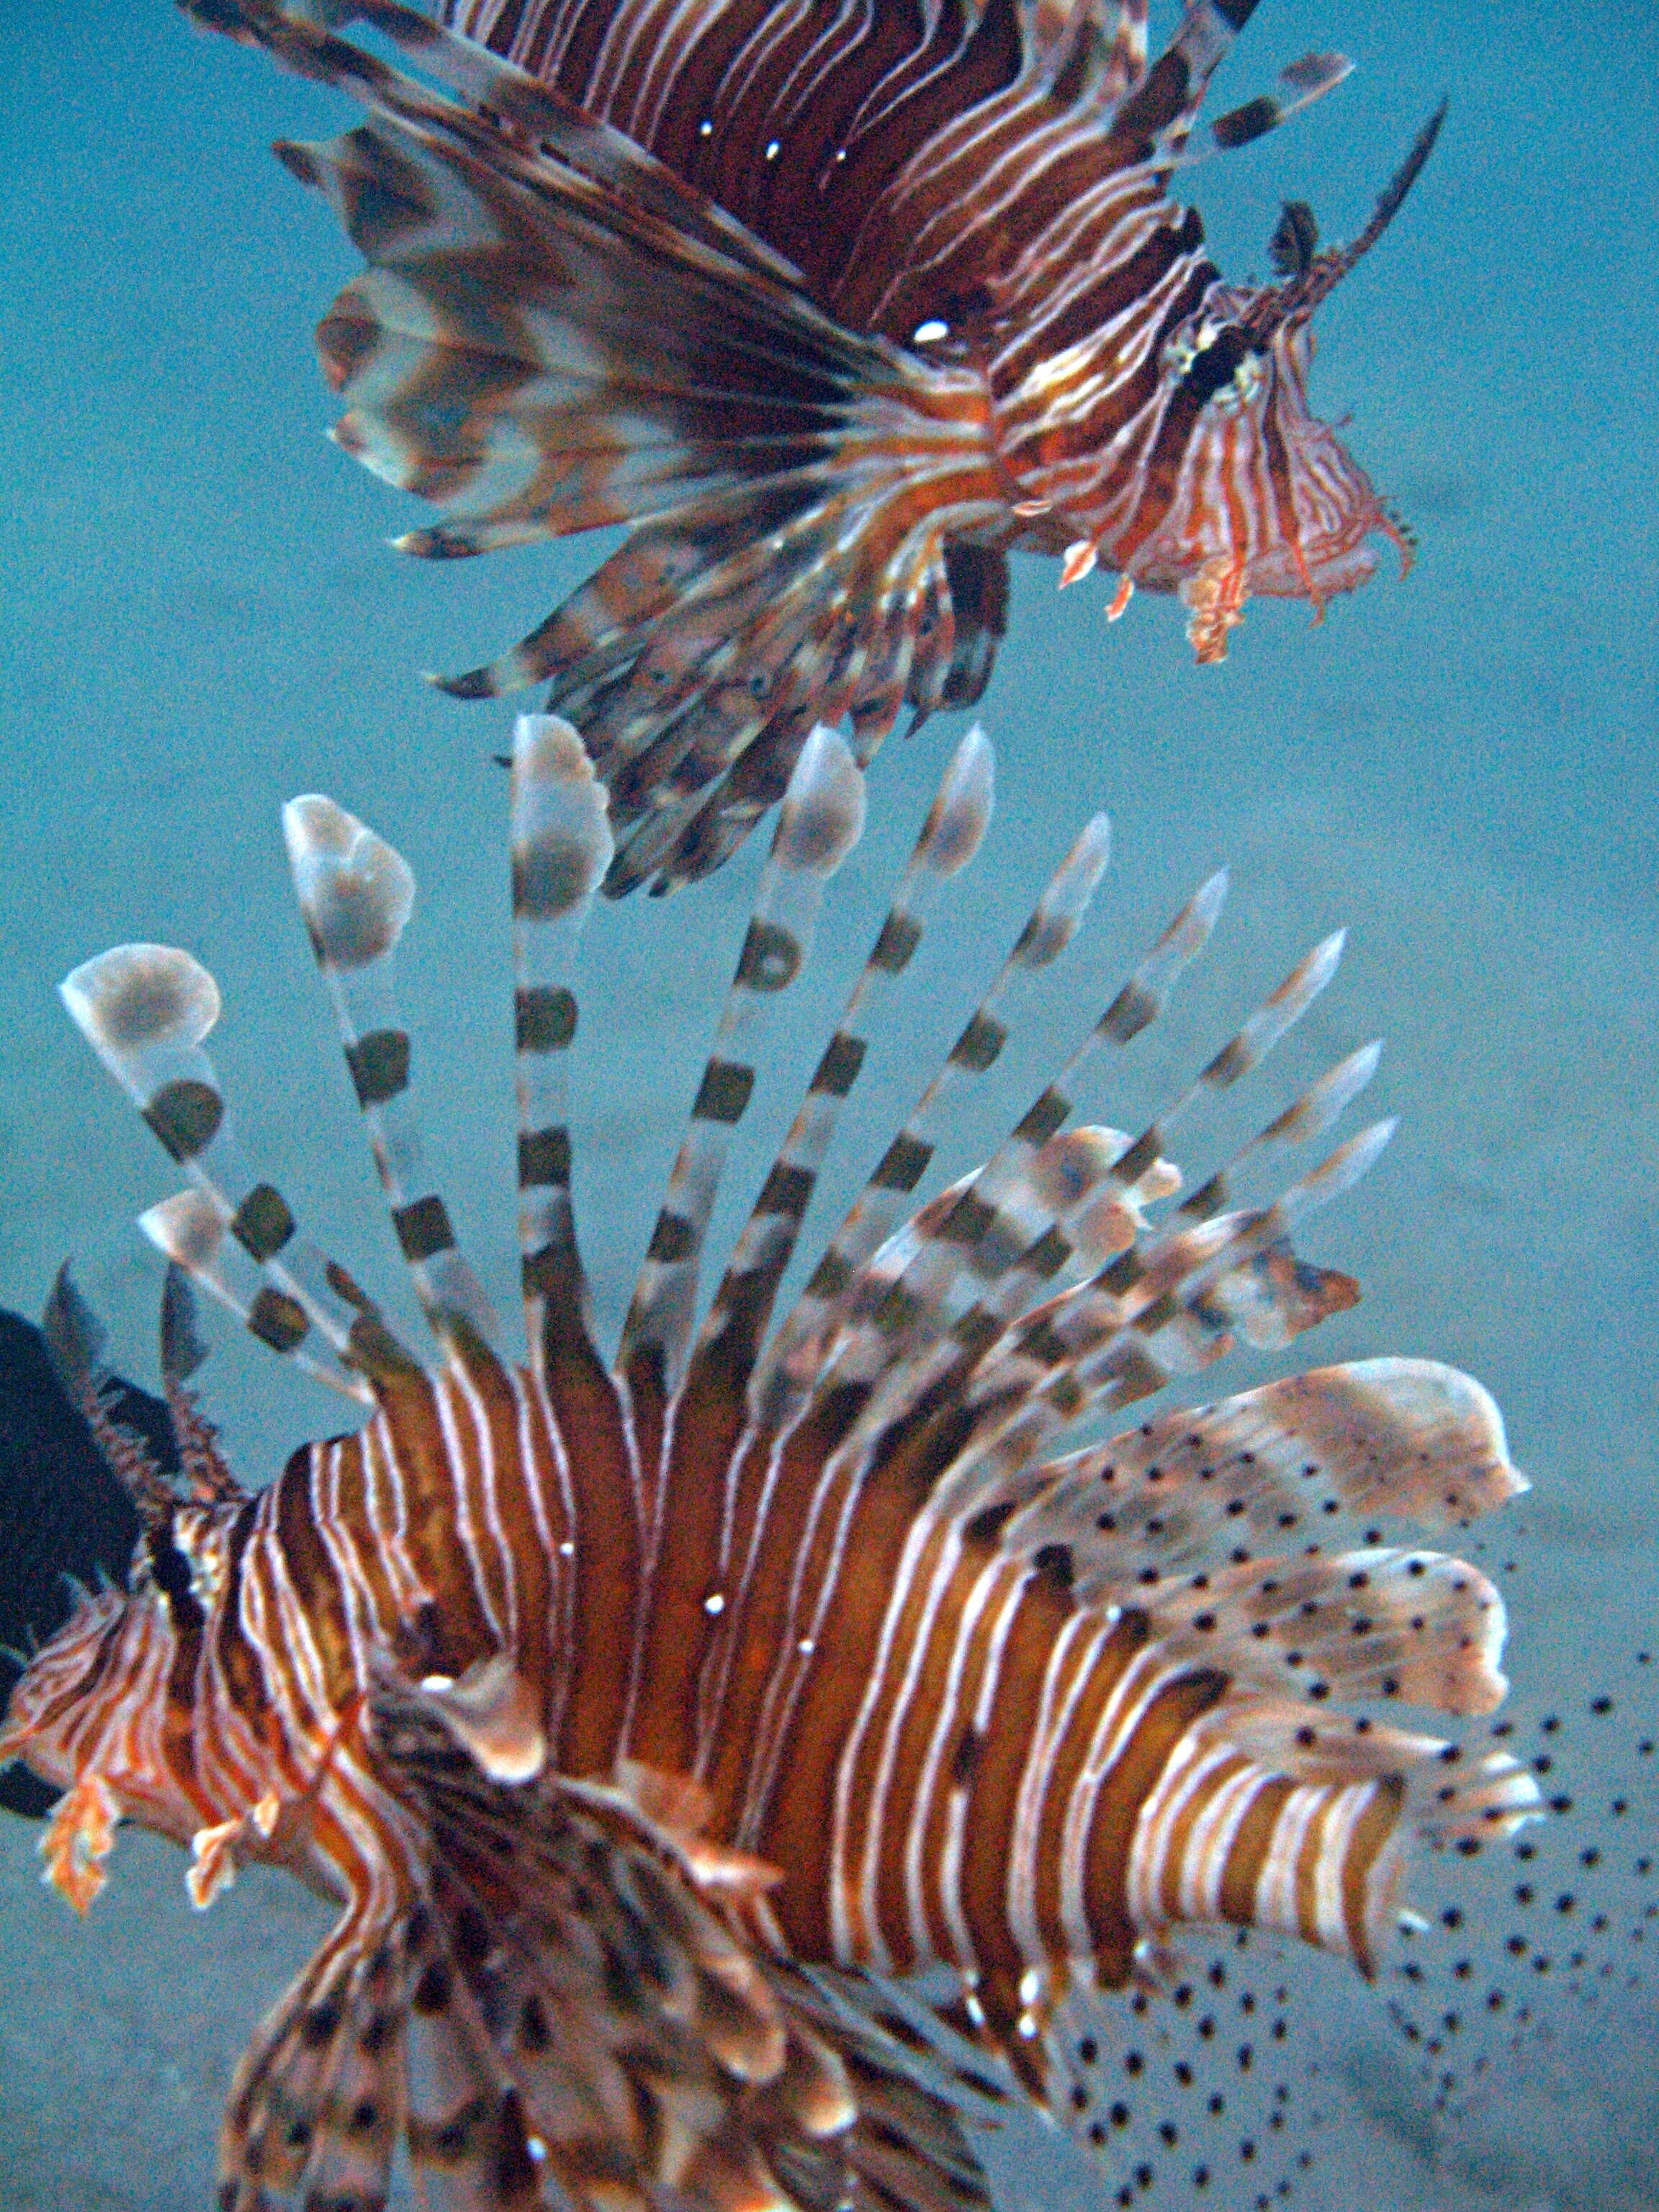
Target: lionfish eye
x=1222 y=355
x=163 y=1566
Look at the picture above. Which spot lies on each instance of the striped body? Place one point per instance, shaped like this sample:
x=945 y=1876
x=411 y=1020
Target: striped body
x=836 y=309
x=614 y=1698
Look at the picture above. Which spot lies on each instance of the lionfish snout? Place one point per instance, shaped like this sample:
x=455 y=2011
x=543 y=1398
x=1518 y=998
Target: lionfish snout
x=70 y=1720
x=47 y=1718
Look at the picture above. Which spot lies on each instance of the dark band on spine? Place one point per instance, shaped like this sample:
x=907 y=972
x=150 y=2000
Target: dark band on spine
x=262 y=1223
x=185 y=1115
x=544 y=1019
x=423 y=1229
x=277 y=1320
x=379 y=1066
x=725 y=1091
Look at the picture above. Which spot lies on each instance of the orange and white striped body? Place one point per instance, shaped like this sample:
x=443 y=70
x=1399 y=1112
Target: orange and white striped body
x=617 y=1699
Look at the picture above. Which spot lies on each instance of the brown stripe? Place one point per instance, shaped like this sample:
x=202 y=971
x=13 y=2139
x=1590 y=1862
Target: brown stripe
x=544 y=1019
x=1043 y=1118
x=1128 y=1785
x=1234 y=1059
x=894 y=947
x=903 y=1164
x=671 y=1240
x=786 y=1191
x=770 y=958
x=1367 y=1840
x=980 y=1043
x=1129 y=1014
x=1247 y=1853
x=544 y=1157
x=277 y=1320
x=838 y=1071
x=723 y=1092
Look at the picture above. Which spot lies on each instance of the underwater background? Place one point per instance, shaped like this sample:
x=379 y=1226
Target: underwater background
x=200 y=618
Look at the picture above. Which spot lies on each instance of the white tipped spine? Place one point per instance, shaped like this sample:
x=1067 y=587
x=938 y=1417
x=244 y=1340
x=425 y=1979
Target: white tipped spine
x=356 y=894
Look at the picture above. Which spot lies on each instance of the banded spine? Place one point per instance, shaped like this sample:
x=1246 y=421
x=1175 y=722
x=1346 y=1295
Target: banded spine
x=840 y=1661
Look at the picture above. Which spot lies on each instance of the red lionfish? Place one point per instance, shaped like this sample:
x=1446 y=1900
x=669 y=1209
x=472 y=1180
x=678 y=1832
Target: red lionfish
x=693 y=1738
x=835 y=305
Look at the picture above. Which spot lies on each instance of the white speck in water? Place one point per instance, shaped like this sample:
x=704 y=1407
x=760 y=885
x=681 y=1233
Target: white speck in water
x=773 y=150
x=806 y=1647
x=567 y=1550
x=713 y=1602
x=930 y=332
x=705 y=129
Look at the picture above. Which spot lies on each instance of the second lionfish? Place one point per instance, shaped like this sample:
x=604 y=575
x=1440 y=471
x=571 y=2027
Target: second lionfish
x=741 y=1761
x=836 y=307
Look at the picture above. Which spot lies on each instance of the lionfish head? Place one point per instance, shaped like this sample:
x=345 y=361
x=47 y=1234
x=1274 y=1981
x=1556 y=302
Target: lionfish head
x=98 y=1706
x=86 y=1716
x=1267 y=501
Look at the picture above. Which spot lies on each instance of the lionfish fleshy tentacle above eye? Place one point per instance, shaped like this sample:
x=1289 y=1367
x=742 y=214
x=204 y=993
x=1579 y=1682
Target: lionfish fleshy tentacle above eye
x=182 y=1353
x=145 y=1009
x=75 y=1345
x=356 y=894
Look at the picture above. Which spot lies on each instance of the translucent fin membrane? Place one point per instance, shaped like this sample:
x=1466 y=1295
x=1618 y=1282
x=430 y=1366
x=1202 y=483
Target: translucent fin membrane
x=145 y=1009
x=562 y=847
x=929 y=1289
x=356 y=894
x=950 y=835
x=1052 y=925
x=951 y=1290
x=822 y=819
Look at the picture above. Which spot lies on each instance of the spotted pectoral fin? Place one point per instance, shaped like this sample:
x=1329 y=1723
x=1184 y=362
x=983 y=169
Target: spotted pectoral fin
x=553 y=334
x=319 y=2099
x=915 y=2089
x=637 y=2040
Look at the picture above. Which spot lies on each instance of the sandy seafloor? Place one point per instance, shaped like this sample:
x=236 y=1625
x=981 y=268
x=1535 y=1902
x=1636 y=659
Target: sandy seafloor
x=200 y=618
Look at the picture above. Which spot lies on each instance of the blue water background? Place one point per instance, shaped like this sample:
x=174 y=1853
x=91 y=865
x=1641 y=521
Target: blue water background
x=200 y=618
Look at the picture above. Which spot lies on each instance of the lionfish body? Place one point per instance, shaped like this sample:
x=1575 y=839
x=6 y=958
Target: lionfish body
x=835 y=308
x=659 y=1720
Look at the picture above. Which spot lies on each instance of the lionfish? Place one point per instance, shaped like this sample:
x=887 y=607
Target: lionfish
x=741 y=1761
x=836 y=307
